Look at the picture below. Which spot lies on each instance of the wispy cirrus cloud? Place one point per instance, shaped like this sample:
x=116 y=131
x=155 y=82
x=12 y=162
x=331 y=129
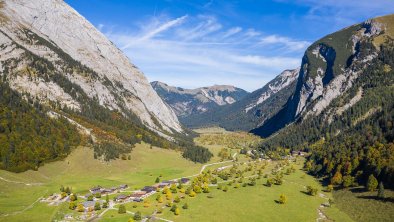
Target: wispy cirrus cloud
x=155 y=30
x=232 y=31
x=205 y=52
x=289 y=43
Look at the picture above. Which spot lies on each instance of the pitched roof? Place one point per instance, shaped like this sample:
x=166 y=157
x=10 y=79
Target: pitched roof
x=87 y=204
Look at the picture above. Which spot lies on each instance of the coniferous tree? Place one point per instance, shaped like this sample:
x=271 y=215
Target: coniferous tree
x=381 y=191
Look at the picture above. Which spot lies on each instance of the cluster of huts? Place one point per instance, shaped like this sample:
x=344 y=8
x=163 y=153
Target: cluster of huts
x=146 y=191
x=102 y=190
x=136 y=196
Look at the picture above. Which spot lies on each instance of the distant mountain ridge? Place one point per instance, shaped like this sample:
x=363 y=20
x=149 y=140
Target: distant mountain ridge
x=252 y=110
x=187 y=102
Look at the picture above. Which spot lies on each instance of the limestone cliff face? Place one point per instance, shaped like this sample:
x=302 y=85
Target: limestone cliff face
x=55 y=33
x=330 y=76
x=328 y=70
x=280 y=82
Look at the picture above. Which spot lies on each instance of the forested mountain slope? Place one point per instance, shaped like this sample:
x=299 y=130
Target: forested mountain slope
x=343 y=106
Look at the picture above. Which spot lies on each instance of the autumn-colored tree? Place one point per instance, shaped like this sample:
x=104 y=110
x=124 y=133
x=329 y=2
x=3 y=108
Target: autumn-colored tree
x=72 y=205
x=73 y=197
x=159 y=199
x=146 y=203
x=165 y=190
x=197 y=188
x=330 y=188
x=173 y=188
x=282 y=199
x=337 y=178
x=311 y=190
x=169 y=196
x=80 y=208
x=205 y=189
x=192 y=194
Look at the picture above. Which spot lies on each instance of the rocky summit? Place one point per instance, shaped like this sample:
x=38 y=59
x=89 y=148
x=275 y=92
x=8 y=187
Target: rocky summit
x=186 y=102
x=54 y=32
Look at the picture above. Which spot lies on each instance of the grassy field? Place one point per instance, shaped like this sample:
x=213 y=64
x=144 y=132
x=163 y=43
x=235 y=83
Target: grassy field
x=211 y=130
x=363 y=206
x=80 y=171
x=255 y=203
x=388 y=21
x=250 y=203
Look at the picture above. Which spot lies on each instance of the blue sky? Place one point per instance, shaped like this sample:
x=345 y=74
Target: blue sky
x=244 y=43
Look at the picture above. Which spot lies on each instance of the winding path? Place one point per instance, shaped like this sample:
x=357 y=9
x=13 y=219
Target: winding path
x=21 y=211
x=18 y=182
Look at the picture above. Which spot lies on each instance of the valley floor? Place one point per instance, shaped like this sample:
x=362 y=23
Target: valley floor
x=20 y=194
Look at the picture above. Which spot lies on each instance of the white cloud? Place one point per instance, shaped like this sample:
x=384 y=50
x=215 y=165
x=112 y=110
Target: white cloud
x=232 y=32
x=205 y=26
x=269 y=61
x=290 y=43
x=252 y=33
x=198 y=51
x=163 y=27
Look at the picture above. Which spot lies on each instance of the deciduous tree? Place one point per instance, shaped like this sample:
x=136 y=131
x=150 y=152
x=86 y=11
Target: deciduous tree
x=282 y=199
x=137 y=216
x=122 y=209
x=97 y=206
x=372 y=183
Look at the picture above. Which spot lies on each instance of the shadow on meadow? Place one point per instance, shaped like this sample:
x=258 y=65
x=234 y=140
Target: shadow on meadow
x=387 y=199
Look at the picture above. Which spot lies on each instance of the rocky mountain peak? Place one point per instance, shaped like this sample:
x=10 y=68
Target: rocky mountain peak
x=52 y=30
x=329 y=69
x=190 y=101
